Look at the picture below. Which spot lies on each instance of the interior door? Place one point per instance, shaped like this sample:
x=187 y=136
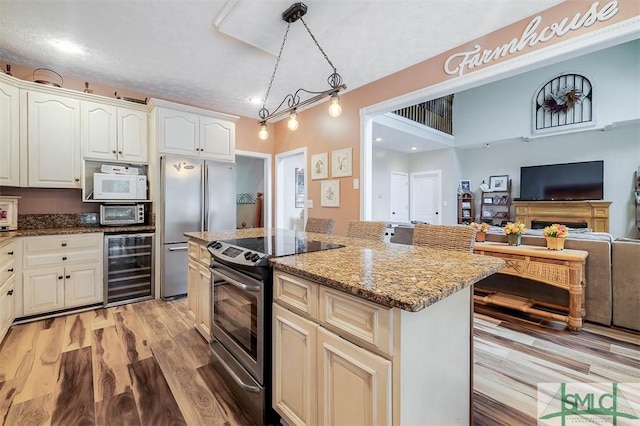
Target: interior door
x=399 y=198
x=425 y=195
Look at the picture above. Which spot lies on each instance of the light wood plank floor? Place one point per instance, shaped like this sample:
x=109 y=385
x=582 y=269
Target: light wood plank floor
x=144 y=364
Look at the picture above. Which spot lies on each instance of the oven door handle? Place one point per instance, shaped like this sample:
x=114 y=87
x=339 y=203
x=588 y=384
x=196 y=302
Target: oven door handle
x=227 y=278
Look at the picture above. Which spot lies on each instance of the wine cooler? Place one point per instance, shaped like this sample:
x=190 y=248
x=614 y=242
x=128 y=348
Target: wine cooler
x=129 y=268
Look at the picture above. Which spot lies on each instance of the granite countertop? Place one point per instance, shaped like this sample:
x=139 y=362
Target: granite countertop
x=394 y=275
x=75 y=230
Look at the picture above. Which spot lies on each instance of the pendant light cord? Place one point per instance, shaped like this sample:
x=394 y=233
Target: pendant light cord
x=264 y=113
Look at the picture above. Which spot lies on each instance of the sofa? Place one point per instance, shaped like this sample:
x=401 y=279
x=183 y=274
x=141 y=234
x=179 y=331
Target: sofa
x=612 y=293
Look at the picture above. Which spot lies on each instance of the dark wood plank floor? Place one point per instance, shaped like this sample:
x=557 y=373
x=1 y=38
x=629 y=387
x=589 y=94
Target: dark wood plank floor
x=145 y=364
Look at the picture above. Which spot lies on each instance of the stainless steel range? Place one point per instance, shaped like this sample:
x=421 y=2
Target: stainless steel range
x=241 y=298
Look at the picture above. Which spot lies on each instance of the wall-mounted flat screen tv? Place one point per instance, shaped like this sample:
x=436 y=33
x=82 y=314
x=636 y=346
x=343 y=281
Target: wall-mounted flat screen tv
x=560 y=182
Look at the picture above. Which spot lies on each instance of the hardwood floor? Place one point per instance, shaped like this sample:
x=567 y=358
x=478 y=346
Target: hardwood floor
x=144 y=364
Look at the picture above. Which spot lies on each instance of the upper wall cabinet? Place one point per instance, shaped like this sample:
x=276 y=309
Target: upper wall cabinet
x=53 y=132
x=113 y=133
x=185 y=130
x=9 y=134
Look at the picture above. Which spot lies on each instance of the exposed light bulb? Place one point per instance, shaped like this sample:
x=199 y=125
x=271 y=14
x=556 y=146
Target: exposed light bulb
x=263 y=134
x=292 y=124
x=335 y=110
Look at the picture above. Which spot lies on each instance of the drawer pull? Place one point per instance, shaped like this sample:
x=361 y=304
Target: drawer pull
x=68 y=276
x=10 y=253
x=10 y=293
x=60 y=277
x=64 y=258
x=64 y=244
x=10 y=270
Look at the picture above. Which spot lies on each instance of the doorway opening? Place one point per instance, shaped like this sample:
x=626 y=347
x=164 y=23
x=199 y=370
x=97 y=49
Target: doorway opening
x=291 y=194
x=253 y=190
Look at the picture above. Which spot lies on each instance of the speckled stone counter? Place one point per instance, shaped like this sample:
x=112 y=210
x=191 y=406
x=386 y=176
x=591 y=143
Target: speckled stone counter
x=83 y=230
x=394 y=275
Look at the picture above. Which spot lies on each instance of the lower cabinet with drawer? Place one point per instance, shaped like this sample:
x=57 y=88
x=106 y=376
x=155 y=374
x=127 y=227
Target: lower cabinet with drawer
x=7 y=286
x=60 y=272
x=340 y=359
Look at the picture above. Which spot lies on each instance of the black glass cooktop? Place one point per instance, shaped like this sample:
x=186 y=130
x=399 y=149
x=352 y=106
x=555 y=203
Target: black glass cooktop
x=276 y=246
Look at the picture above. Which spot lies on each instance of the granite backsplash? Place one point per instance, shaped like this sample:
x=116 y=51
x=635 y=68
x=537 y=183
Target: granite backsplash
x=63 y=220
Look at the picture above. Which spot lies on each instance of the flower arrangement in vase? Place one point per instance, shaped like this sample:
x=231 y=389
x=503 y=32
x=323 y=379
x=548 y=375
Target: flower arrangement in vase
x=555 y=235
x=481 y=230
x=514 y=231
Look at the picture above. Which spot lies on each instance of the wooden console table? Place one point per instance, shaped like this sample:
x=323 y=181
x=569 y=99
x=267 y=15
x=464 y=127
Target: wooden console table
x=564 y=269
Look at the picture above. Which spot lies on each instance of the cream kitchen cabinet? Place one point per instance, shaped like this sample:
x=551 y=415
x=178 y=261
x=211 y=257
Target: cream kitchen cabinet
x=61 y=271
x=53 y=132
x=7 y=286
x=9 y=133
x=319 y=377
x=340 y=359
x=189 y=131
x=113 y=133
x=199 y=287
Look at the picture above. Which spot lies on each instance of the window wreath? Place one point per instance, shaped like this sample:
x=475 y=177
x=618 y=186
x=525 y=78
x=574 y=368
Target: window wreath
x=562 y=100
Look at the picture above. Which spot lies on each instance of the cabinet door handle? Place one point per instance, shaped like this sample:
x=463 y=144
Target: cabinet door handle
x=77 y=179
x=64 y=244
x=10 y=270
x=68 y=276
x=10 y=293
x=64 y=257
x=60 y=277
x=10 y=253
x=113 y=152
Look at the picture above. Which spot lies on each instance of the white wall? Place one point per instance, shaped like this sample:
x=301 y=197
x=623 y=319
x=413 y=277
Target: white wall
x=250 y=175
x=503 y=110
x=384 y=162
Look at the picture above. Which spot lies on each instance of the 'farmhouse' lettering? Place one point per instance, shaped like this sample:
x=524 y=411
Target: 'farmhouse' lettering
x=457 y=63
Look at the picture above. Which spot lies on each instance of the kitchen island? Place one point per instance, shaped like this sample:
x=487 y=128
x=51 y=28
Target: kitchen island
x=372 y=333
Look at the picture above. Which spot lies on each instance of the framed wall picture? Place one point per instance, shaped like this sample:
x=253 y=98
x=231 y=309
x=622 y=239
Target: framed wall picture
x=330 y=193
x=341 y=162
x=320 y=166
x=299 y=180
x=487 y=213
x=487 y=200
x=499 y=183
x=465 y=185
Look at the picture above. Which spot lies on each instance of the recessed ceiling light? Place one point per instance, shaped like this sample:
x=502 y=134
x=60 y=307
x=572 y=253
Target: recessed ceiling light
x=255 y=100
x=413 y=148
x=67 y=46
x=378 y=139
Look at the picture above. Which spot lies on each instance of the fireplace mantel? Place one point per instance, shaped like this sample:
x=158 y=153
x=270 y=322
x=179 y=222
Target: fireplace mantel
x=594 y=213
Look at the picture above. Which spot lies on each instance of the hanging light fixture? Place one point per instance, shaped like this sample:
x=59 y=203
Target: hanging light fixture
x=292 y=102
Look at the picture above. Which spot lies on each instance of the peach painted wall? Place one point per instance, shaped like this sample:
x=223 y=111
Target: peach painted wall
x=321 y=133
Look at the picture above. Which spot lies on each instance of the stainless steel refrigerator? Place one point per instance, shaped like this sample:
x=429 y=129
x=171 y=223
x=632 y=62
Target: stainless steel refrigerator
x=197 y=195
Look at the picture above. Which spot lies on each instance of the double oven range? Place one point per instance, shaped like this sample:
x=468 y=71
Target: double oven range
x=241 y=298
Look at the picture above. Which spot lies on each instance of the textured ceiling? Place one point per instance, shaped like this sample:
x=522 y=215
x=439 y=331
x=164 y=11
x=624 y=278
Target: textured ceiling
x=215 y=54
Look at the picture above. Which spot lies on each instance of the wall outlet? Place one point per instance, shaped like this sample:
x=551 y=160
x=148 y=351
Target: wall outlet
x=309 y=204
x=356 y=184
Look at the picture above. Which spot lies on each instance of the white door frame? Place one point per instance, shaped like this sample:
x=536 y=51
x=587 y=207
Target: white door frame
x=590 y=42
x=268 y=187
x=438 y=175
x=279 y=182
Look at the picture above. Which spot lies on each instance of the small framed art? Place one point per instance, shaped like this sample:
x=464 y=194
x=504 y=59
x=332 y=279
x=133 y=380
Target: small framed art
x=341 y=162
x=465 y=185
x=299 y=197
x=330 y=193
x=320 y=166
x=498 y=183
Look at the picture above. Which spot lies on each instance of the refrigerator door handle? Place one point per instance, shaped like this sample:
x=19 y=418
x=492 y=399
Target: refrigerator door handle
x=178 y=248
x=205 y=198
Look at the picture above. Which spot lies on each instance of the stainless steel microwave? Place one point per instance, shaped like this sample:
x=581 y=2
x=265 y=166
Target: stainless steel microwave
x=121 y=214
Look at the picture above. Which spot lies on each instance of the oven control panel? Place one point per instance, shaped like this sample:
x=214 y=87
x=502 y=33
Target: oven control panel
x=229 y=253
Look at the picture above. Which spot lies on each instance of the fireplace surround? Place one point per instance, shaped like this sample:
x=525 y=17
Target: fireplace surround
x=595 y=214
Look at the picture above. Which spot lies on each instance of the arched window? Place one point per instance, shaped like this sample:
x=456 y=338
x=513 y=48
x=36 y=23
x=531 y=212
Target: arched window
x=563 y=102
